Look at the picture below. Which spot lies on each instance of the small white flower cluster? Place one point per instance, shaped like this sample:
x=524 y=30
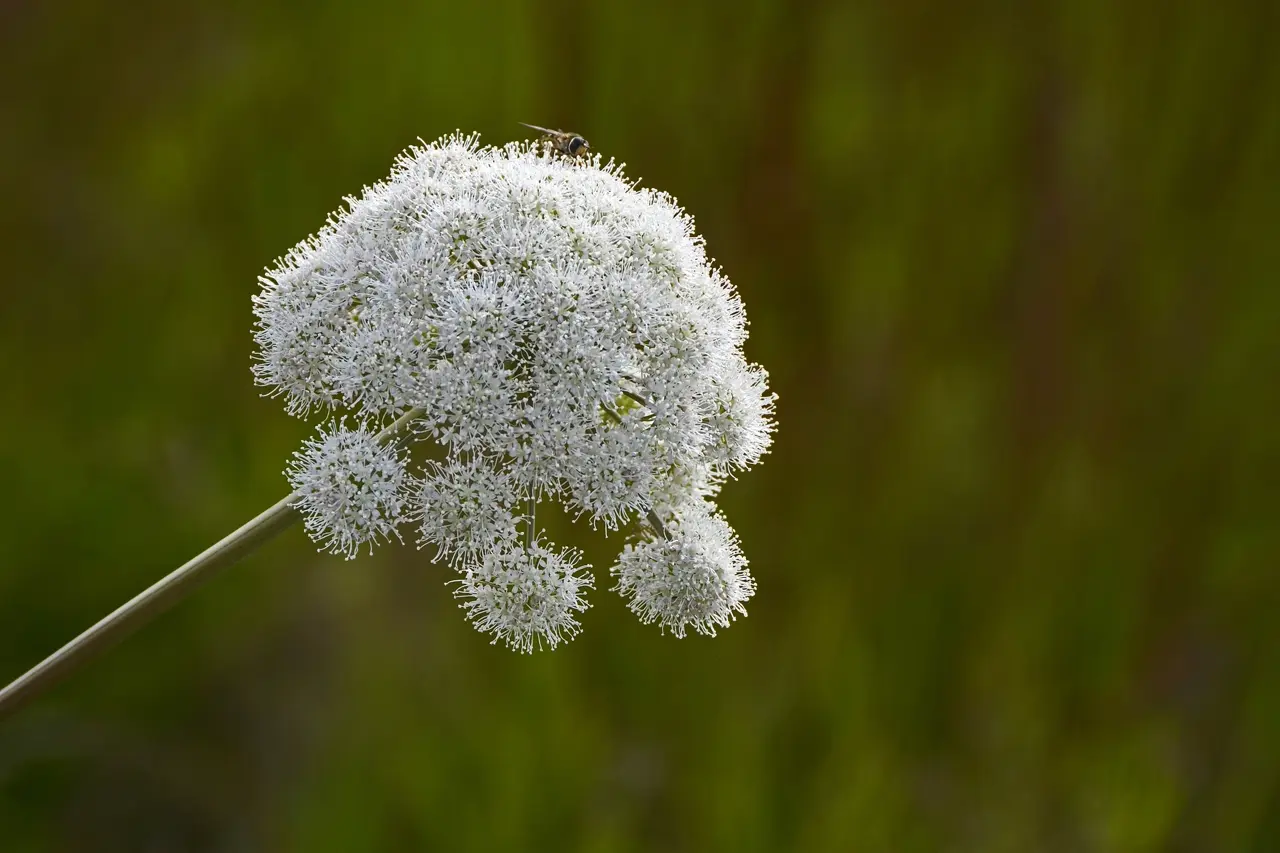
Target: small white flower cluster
x=349 y=488
x=560 y=335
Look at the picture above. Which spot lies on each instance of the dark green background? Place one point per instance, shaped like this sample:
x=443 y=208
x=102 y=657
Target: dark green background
x=1014 y=274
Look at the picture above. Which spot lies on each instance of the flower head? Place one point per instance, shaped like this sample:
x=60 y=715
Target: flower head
x=739 y=417
x=348 y=487
x=695 y=578
x=525 y=596
x=464 y=508
x=564 y=336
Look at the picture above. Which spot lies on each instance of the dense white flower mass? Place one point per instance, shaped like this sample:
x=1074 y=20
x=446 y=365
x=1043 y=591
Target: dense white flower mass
x=525 y=595
x=465 y=508
x=348 y=487
x=695 y=578
x=560 y=335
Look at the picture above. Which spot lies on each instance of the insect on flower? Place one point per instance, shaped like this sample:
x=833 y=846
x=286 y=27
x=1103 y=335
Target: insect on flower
x=564 y=143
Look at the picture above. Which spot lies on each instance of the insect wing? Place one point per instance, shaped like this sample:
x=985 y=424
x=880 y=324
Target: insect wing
x=545 y=130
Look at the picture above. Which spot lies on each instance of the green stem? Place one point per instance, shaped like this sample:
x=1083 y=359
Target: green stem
x=611 y=414
x=160 y=596
x=656 y=523
x=641 y=400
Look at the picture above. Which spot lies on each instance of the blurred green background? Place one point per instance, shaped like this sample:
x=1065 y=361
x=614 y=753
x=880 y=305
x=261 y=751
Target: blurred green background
x=1014 y=276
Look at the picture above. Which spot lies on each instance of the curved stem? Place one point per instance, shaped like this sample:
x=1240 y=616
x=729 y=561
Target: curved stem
x=160 y=596
x=641 y=400
x=656 y=523
x=611 y=414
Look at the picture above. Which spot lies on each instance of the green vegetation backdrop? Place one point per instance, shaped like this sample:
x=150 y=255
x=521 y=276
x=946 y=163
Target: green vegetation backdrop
x=1014 y=275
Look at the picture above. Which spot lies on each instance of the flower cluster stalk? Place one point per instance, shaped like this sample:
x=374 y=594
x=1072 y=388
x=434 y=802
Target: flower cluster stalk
x=160 y=596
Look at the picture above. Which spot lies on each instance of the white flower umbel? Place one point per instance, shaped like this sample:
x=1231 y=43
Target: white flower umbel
x=464 y=508
x=526 y=596
x=348 y=487
x=740 y=417
x=696 y=579
x=565 y=337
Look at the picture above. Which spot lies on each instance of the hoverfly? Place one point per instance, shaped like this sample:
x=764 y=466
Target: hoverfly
x=561 y=142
